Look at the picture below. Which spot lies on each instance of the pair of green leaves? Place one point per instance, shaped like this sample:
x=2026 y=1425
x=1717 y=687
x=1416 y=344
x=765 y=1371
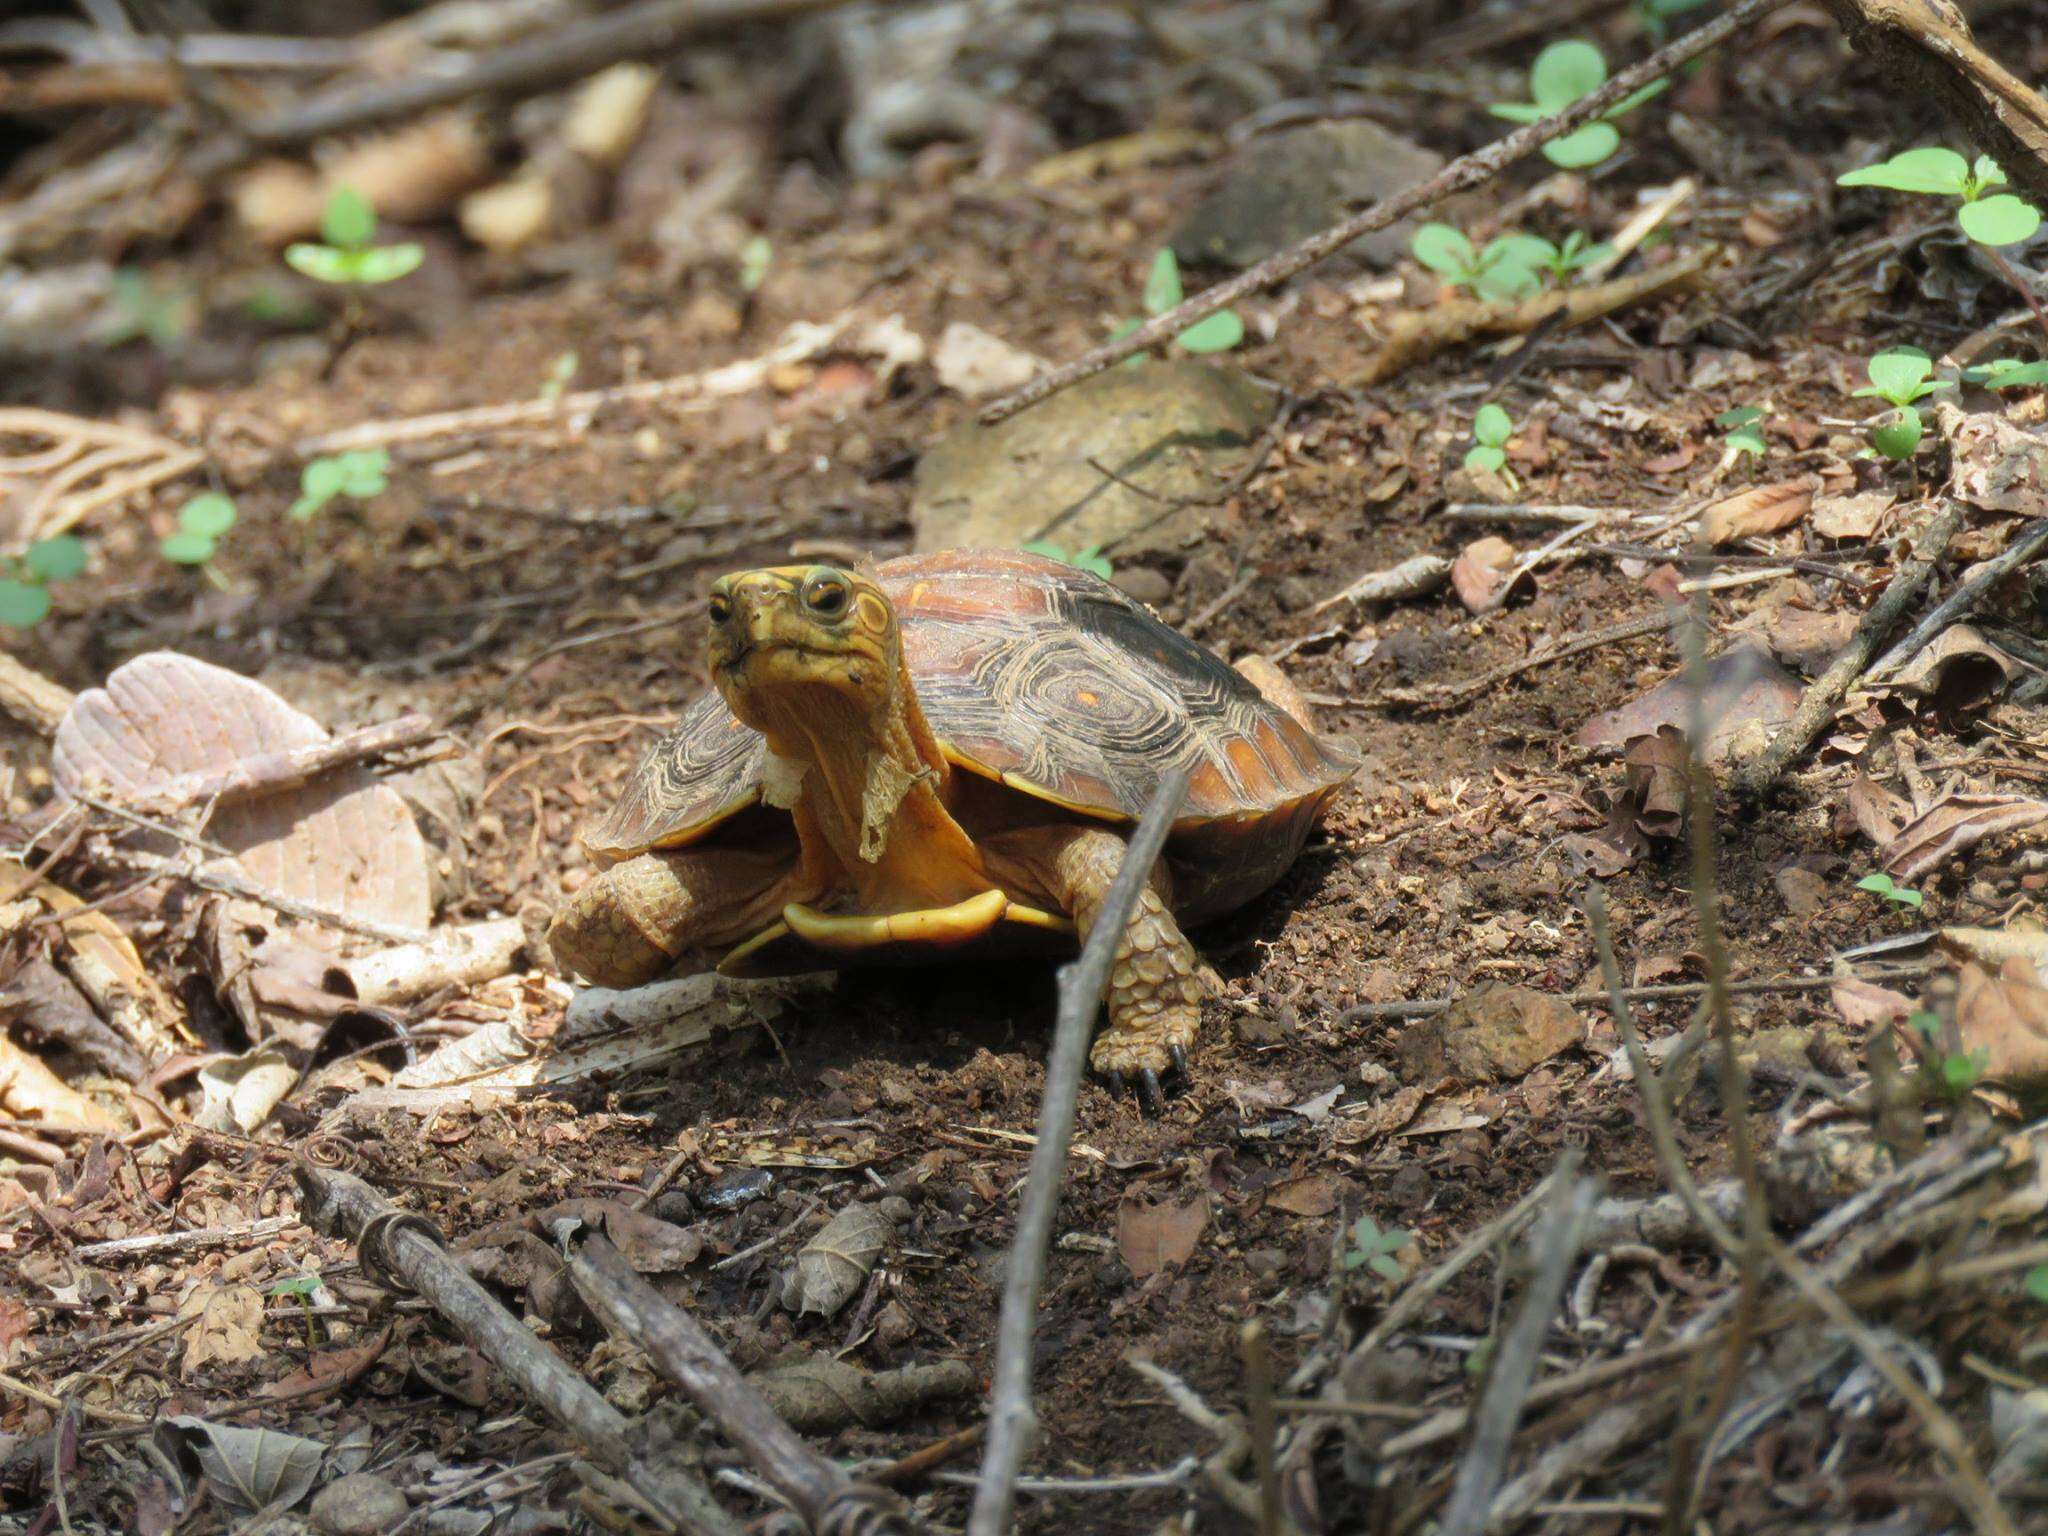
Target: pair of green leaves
x=1743 y=429
x=359 y=474
x=1218 y=333
x=202 y=523
x=1884 y=885
x=1491 y=429
x=1089 y=559
x=24 y=594
x=1562 y=73
x=1374 y=1249
x=1987 y=217
x=1899 y=376
x=1508 y=267
x=347 y=226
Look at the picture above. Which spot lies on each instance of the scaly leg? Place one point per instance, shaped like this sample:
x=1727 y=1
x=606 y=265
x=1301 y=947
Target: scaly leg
x=633 y=922
x=1154 y=996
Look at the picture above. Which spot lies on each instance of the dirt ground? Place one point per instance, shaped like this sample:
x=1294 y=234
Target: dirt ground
x=535 y=592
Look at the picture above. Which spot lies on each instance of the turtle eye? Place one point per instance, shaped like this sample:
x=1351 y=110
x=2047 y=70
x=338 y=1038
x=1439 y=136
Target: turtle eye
x=719 y=607
x=827 y=594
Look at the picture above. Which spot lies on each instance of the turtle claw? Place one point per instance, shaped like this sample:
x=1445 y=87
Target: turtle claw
x=1150 y=1092
x=1179 y=1053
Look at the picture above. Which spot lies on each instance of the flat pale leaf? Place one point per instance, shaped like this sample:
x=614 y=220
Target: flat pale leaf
x=1588 y=146
x=246 y=1469
x=1941 y=172
x=1898 y=372
x=1151 y=1238
x=1759 y=510
x=348 y=219
x=1492 y=425
x=209 y=515
x=322 y=479
x=187 y=548
x=1480 y=575
x=1162 y=283
x=344 y=842
x=385 y=263
x=1564 y=72
x=1744 y=687
x=2004 y=1015
x=226 y=1327
x=1443 y=250
x=57 y=559
x=1314 y=1194
x=2000 y=220
x=23 y=605
x=322 y=263
x=1218 y=333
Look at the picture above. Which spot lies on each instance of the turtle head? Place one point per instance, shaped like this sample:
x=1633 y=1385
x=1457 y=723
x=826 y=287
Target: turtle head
x=790 y=630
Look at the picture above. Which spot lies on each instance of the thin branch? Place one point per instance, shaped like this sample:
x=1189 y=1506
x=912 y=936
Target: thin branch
x=1965 y=597
x=1460 y=175
x=1011 y=1419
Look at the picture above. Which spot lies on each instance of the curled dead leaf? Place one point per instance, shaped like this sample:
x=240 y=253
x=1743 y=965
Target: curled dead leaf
x=1951 y=826
x=1313 y=1194
x=228 y=1330
x=1758 y=510
x=2002 y=1022
x=1866 y=1005
x=1654 y=782
x=246 y=1469
x=1745 y=687
x=1995 y=464
x=1877 y=812
x=1484 y=575
x=836 y=1263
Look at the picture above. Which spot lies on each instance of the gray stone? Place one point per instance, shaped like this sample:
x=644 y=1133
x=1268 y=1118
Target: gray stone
x=361 y=1504
x=1172 y=427
x=1284 y=187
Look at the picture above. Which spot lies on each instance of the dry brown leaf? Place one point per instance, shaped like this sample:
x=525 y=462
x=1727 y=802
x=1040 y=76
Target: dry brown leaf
x=1155 y=1237
x=1878 y=812
x=67 y=468
x=1744 y=686
x=1806 y=639
x=1866 y=1005
x=1995 y=946
x=30 y=1091
x=344 y=842
x=1313 y=1194
x=1958 y=669
x=1996 y=465
x=836 y=1263
x=2004 y=1016
x=1654 y=782
x=1850 y=517
x=1481 y=574
x=652 y=1246
x=229 y=1327
x=1758 y=510
x=1951 y=826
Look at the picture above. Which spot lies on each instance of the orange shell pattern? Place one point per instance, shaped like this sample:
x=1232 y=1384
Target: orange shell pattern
x=1034 y=672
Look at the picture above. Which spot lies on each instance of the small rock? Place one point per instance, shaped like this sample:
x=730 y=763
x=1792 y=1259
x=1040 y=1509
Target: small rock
x=1284 y=187
x=360 y=1504
x=1800 y=889
x=1492 y=1033
x=1146 y=584
x=1168 y=426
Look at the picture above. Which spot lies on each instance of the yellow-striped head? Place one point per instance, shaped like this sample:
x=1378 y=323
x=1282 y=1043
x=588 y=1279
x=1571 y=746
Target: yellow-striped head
x=800 y=627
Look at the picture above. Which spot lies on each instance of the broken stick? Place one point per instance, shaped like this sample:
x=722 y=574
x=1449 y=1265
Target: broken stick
x=405 y=1251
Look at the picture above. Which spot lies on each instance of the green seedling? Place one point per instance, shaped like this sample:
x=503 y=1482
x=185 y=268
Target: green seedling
x=1370 y=1248
x=1491 y=429
x=2035 y=1283
x=1987 y=216
x=561 y=374
x=344 y=253
x=2008 y=373
x=1953 y=1073
x=1561 y=261
x=755 y=257
x=25 y=588
x=202 y=523
x=359 y=475
x=1884 y=885
x=1899 y=376
x=300 y=1289
x=1505 y=269
x=1218 y=333
x=1562 y=73
x=162 y=315
x=1089 y=559
x=1742 y=429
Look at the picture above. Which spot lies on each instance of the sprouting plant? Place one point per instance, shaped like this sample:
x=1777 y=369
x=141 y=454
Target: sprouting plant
x=561 y=374
x=1987 y=216
x=24 y=589
x=202 y=523
x=1899 y=376
x=1217 y=333
x=2035 y=1283
x=358 y=474
x=1742 y=429
x=1884 y=885
x=1954 y=1073
x=344 y=253
x=1655 y=15
x=301 y=1289
x=1579 y=250
x=1491 y=429
x=1562 y=73
x=2008 y=373
x=1371 y=1248
x=1505 y=269
x=164 y=315
x=1089 y=559
x=755 y=257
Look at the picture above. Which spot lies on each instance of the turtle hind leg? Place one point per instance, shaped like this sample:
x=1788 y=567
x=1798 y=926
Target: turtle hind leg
x=1154 y=995
x=631 y=923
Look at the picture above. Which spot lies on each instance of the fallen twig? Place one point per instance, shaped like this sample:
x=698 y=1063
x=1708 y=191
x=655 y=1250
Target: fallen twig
x=1460 y=175
x=1966 y=596
x=632 y=1309
x=1417 y=576
x=406 y=1252
x=1752 y=774
x=1011 y=1419
x=32 y=698
x=1448 y=695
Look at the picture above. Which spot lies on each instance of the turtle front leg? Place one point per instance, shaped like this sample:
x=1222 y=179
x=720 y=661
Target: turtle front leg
x=632 y=922
x=1154 y=996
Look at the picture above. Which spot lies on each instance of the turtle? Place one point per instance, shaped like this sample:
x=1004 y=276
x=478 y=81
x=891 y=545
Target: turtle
x=943 y=753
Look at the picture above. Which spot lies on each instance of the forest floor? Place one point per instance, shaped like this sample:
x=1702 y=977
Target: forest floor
x=1456 y=857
